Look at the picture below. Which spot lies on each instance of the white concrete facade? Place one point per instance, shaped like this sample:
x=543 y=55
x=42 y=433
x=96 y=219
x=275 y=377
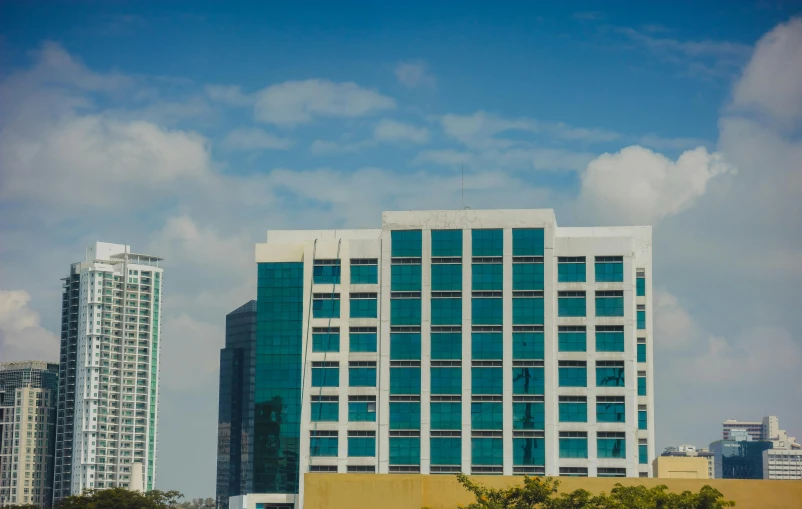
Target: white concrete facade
x=111 y=371
x=782 y=464
x=27 y=432
x=632 y=244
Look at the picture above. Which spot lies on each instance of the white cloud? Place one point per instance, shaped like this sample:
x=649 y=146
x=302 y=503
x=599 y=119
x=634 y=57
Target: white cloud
x=639 y=186
x=391 y=130
x=414 y=74
x=656 y=142
x=92 y=155
x=704 y=58
x=182 y=334
x=447 y=157
x=21 y=335
x=772 y=81
x=232 y=95
x=255 y=139
x=299 y=102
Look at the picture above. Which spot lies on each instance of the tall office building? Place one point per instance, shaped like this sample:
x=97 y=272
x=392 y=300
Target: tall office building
x=28 y=391
x=108 y=370
x=235 y=411
x=487 y=342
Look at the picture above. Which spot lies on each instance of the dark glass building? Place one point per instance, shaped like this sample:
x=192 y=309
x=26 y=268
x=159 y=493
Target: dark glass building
x=235 y=412
x=739 y=459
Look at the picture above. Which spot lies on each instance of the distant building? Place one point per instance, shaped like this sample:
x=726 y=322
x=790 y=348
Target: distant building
x=108 y=396
x=739 y=460
x=28 y=392
x=782 y=464
x=235 y=411
x=687 y=450
x=681 y=467
x=766 y=429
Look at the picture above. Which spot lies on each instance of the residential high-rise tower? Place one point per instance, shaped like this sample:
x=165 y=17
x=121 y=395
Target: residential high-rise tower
x=27 y=432
x=481 y=341
x=235 y=411
x=108 y=370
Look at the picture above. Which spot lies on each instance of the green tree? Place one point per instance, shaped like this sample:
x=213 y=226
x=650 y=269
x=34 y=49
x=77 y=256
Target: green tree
x=541 y=493
x=121 y=498
x=198 y=503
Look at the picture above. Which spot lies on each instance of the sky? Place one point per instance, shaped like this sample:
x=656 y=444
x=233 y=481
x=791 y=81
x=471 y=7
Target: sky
x=188 y=129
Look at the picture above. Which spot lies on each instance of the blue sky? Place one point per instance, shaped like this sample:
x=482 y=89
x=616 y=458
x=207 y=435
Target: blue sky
x=187 y=129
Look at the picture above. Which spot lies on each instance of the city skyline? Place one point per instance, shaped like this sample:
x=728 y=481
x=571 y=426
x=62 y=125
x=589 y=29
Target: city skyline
x=188 y=132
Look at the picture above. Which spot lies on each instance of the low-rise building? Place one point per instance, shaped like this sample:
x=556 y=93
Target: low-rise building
x=782 y=464
x=687 y=450
x=680 y=467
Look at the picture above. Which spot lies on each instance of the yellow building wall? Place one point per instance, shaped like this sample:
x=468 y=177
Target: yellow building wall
x=400 y=491
x=680 y=467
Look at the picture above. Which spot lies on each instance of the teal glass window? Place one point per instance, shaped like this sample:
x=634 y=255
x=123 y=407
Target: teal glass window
x=528 y=451
x=406 y=243
x=610 y=409
x=446 y=243
x=573 y=374
x=572 y=338
x=446 y=380
x=528 y=380
x=446 y=451
x=326 y=272
x=643 y=454
x=362 y=411
x=326 y=376
x=487 y=416
x=326 y=305
x=527 y=276
x=361 y=376
x=487 y=311
x=446 y=415
x=487 y=345
x=487 y=451
x=609 y=269
x=527 y=310
x=362 y=339
x=641 y=385
x=642 y=419
x=528 y=416
x=611 y=445
x=486 y=381
x=404 y=380
x=571 y=269
x=362 y=446
x=404 y=415
x=641 y=317
x=528 y=242
x=487 y=242
x=573 y=409
x=446 y=311
x=571 y=304
x=405 y=312
x=609 y=338
x=325 y=411
x=404 y=450
x=487 y=276
x=610 y=303
x=610 y=374
x=641 y=352
x=573 y=444
x=446 y=345
x=363 y=305
x=322 y=445
x=323 y=341
x=640 y=286
x=405 y=277
x=364 y=271
x=405 y=346
x=446 y=277
x=527 y=345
